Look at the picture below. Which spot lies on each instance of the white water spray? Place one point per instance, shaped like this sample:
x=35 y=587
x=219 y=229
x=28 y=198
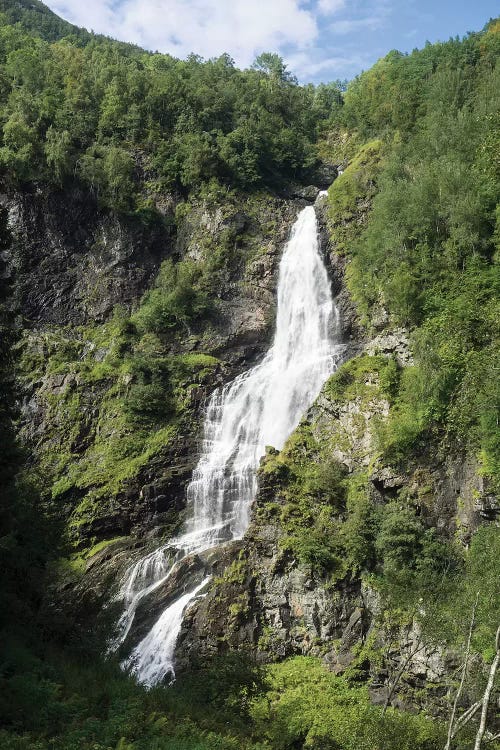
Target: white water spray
x=260 y=407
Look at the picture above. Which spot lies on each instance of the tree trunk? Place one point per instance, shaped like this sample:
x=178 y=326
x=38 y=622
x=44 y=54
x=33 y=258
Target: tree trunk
x=452 y=728
x=392 y=689
x=487 y=693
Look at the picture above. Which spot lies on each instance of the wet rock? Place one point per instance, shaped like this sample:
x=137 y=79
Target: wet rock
x=188 y=574
x=324 y=174
x=308 y=193
x=388 y=481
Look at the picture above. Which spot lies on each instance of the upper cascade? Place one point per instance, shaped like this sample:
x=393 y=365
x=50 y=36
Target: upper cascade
x=261 y=407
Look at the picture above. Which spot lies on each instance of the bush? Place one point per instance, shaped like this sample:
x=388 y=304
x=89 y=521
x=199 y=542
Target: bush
x=307 y=706
x=177 y=299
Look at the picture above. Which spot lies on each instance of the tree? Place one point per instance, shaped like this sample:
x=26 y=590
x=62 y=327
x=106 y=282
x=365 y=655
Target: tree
x=118 y=170
x=176 y=300
x=58 y=153
x=487 y=693
x=273 y=66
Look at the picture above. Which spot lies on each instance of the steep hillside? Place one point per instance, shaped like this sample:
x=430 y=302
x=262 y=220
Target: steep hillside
x=38 y=19
x=146 y=204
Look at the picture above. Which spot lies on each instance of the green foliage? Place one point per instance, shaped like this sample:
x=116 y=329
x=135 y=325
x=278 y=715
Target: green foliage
x=483 y=577
x=349 y=194
x=349 y=381
x=355 y=183
x=415 y=213
x=421 y=574
x=312 y=491
x=392 y=94
x=399 y=540
x=36 y=17
x=404 y=430
x=108 y=171
x=149 y=397
x=129 y=123
x=357 y=533
x=69 y=703
x=58 y=153
x=124 y=400
x=420 y=230
x=272 y=65
x=148 y=401
x=309 y=707
x=389 y=378
x=229 y=704
x=177 y=299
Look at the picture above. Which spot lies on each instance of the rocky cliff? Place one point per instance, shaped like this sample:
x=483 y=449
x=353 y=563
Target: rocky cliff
x=114 y=478
x=278 y=594
x=118 y=482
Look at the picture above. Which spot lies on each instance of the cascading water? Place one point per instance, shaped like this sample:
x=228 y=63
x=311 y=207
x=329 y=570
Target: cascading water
x=260 y=407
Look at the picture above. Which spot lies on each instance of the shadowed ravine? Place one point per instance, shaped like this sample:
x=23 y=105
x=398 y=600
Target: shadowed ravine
x=260 y=407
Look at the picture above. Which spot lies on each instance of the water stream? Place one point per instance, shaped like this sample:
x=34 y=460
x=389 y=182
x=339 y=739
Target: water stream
x=260 y=407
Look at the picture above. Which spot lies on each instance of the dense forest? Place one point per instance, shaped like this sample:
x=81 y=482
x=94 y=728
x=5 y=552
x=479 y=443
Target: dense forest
x=414 y=218
x=131 y=124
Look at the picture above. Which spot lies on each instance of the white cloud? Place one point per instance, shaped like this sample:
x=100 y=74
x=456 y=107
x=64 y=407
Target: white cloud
x=303 y=31
x=374 y=17
x=243 y=28
x=329 y=7
x=93 y=14
x=312 y=66
x=345 y=26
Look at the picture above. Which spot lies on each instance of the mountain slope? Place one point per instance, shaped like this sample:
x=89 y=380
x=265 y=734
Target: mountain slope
x=149 y=200
x=36 y=18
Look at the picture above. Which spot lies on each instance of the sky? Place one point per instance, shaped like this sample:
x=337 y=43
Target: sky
x=320 y=40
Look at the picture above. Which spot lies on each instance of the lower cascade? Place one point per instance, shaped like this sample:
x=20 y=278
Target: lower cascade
x=260 y=407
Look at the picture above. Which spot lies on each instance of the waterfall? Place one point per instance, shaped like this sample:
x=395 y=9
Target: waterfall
x=260 y=407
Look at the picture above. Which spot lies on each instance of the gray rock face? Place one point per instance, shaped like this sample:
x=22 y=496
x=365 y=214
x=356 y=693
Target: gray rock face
x=308 y=193
x=73 y=261
x=393 y=342
x=245 y=296
x=351 y=332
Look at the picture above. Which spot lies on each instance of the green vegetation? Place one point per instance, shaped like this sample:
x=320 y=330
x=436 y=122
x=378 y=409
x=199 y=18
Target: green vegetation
x=334 y=523
x=131 y=124
x=429 y=250
x=228 y=705
x=350 y=194
x=310 y=708
x=176 y=299
x=328 y=517
x=111 y=417
x=312 y=492
x=117 y=396
x=39 y=20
